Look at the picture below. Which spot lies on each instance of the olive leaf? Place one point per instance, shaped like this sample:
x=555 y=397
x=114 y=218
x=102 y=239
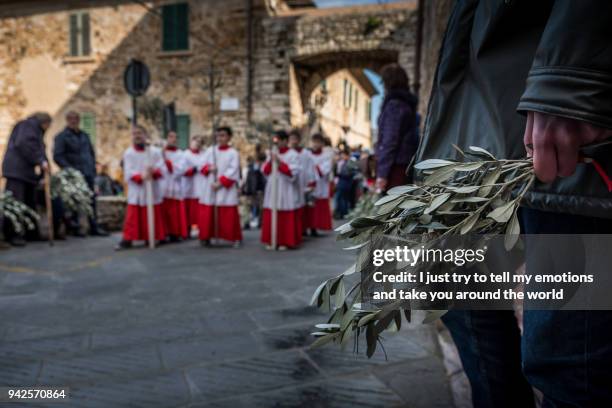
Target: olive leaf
x=503 y=212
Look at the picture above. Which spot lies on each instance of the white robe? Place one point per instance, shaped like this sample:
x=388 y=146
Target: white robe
x=136 y=162
x=191 y=185
x=288 y=190
x=228 y=166
x=307 y=174
x=323 y=168
x=173 y=180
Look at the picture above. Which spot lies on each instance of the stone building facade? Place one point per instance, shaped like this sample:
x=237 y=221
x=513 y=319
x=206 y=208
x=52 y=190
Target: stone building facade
x=343 y=107
x=266 y=58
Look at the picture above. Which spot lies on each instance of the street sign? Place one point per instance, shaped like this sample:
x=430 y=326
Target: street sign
x=136 y=78
x=229 y=104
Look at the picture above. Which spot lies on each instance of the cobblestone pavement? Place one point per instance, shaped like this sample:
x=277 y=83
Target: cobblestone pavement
x=184 y=326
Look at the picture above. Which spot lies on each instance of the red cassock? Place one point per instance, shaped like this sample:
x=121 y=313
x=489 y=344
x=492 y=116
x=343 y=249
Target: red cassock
x=175 y=218
x=135 y=226
x=135 y=161
x=224 y=199
x=289 y=216
x=191 y=211
x=319 y=216
x=228 y=225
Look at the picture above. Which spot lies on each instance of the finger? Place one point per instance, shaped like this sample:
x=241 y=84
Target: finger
x=544 y=153
x=528 y=135
x=567 y=153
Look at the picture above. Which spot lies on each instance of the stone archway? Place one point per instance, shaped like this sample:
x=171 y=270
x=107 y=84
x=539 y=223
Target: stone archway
x=310 y=70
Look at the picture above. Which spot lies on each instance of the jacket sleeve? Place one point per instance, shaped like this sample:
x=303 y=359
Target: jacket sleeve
x=30 y=145
x=59 y=151
x=571 y=75
x=389 y=136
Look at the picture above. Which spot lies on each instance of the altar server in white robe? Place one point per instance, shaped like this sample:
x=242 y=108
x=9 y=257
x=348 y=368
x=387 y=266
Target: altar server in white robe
x=192 y=181
x=306 y=177
x=219 y=191
x=175 y=219
x=319 y=214
x=138 y=167
x=289 y=232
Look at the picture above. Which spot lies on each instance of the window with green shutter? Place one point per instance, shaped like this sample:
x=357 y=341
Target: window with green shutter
x=88 y=125
x=175 y=29
x=183 y=125
x=80 y=34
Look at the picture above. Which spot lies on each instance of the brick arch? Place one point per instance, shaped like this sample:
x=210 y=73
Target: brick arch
x=312 y=69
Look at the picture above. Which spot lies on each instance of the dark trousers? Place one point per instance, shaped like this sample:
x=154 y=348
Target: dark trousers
x=26 y=193
x=343 y=199
x=565 y=354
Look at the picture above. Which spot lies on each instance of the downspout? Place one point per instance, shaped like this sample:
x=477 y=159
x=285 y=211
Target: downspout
x=418 y=48
x=249 y=61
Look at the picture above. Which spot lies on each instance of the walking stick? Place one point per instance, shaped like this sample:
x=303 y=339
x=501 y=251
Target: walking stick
x=274 y=180
x=47 y=181
x=215 y=208
x=149 y=198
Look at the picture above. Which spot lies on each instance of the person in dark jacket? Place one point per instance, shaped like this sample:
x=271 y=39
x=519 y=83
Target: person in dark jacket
x=522 y=77
x=397 y=140
x=25 y=152
x=72 y=148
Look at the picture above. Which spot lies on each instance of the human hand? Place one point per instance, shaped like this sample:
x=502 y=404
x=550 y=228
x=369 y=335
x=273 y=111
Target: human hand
x=216 y=185
x=381 y=184
x=212 y=168
x=44 y=166
x=554 y=142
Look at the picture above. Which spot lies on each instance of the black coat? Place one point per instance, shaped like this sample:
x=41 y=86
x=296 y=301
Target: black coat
x=25 y=151
x=74 y=149
x=502 y=58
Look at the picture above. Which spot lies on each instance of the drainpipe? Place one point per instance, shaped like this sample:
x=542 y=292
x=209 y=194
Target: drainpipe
x=249 y=4
x=418 y=48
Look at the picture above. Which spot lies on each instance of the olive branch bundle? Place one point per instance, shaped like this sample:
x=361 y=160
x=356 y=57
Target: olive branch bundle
x=479 y=195
x=70 y=186
x=17 y=213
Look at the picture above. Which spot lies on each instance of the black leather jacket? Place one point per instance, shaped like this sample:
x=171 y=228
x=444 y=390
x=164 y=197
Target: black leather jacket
x=502 y=58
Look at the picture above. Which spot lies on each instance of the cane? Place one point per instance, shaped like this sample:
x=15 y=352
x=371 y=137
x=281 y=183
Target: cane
x=215 y=208
x=47 y=181
x=274 y=180
x=149 y=198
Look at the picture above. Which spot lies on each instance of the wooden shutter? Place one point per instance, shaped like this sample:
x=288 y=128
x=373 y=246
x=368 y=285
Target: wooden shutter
x=74 y=34
x=183 y=128
x=85 y=34
x=175 y=27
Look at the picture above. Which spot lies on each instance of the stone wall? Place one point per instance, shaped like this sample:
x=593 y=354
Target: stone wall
x=37 y=74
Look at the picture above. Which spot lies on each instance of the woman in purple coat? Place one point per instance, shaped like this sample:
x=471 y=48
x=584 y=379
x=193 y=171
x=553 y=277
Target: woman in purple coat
x=397 y=129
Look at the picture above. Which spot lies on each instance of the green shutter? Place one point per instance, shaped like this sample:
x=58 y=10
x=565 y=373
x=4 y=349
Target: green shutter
x=85 y=37
x=175 y=27
x=88 y=125
x=73 y=30
x=183 y=124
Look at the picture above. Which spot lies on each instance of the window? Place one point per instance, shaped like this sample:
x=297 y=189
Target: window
x=345 y=95
x=356 y=99
x=175 y=30
x=79 y=30
x=183 y=125
x=350 y=95
x=368 y=111
x=88 y=125
x=323 y=85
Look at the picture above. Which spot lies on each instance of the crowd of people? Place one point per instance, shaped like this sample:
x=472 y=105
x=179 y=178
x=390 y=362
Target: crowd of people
x=200 y=188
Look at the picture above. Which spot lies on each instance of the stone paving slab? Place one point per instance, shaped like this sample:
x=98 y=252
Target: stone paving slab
x=184 y=326
x=361 y=392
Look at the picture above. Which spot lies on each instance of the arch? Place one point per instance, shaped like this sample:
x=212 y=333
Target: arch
x=310 y=70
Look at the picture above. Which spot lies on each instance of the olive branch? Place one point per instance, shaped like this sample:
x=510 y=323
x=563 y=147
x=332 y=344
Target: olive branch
x=478 y=195
x=70 y=186
x=20 y=216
